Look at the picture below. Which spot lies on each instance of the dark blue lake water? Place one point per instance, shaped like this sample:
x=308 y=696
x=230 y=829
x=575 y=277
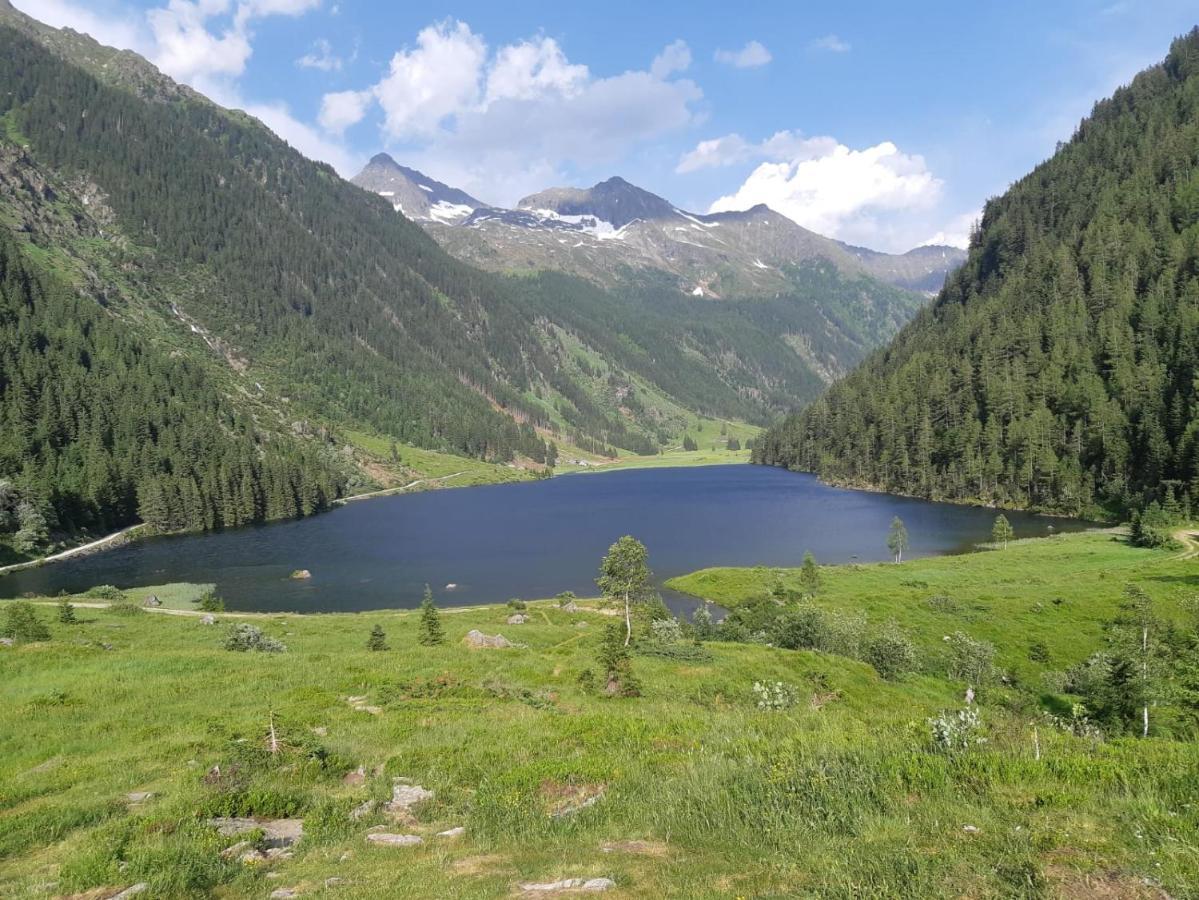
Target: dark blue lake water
x=531 y=540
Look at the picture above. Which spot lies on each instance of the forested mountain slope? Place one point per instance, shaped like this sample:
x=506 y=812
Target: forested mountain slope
x=313 y=309
x=1057 y=368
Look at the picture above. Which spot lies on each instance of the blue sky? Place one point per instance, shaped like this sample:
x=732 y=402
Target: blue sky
x=880 y=123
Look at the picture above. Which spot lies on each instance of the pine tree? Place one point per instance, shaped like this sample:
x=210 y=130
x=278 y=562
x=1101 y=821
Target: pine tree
x=1002 y=532
x=378 y=640
x=66 y=612
x=429 y=628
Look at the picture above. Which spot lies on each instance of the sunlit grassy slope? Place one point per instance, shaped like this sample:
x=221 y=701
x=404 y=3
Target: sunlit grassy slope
x=701 y=794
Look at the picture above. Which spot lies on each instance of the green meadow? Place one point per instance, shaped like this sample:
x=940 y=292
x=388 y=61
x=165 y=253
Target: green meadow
x=695 y=788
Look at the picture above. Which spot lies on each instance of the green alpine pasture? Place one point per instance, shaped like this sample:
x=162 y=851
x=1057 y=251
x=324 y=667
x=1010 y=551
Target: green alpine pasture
x=698 y=787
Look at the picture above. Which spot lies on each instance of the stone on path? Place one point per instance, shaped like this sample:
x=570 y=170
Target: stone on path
x=395 y=840
x=476 y=638
x=569 y=884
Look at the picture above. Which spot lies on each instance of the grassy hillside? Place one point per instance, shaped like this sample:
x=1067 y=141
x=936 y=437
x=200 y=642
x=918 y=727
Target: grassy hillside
x=701 y=793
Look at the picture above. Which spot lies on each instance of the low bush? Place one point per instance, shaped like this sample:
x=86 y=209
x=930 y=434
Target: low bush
x=244 y=638
x=22 y=624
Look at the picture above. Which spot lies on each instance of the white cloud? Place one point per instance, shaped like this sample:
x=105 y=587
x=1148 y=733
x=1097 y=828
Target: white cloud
x=864 y=196
x=533 y=69
x=675 y=57
x=342 y=109
x=493 y=118
x=113 y=30
x=750 y=56
x=184 y=47
x=435 y=80
x=956 y=233
x=831 y=43
x=732 y=149
x=321 y=57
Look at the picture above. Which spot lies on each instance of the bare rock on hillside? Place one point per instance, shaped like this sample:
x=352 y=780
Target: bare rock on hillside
x=517 y=619
x=477 y=639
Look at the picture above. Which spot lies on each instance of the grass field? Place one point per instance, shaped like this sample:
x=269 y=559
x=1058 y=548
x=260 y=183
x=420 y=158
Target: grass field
x=700 y=792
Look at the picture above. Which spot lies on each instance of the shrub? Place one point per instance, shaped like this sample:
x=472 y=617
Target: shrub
x=666 y=631
x=702 y=624
x=105 y=592
x=586 y=681
x=378 y=639
x=619 y=679
x=971 y=660
x=800 y=628
x=66 y=612
x=891 y=653
x=517 y=603
x=954 y=732
x=244 y=638
x=1038 y=652
x=125 y=608
x=21 y=623
x=565 y=598
x=774 y=695
x=211 y=602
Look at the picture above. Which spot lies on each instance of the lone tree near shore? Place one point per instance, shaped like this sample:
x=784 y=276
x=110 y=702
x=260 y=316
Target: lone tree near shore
x=430 y=629
x=809 y=574
x=1002 y=532
x=897 y=539
x=625 y=577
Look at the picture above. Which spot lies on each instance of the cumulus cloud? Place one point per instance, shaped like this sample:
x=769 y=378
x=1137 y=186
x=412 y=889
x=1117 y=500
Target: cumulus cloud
x=732 y=149
x=432 y=81
x=855 y=195
x=674 y=57
x=956 y=233
x=184 y=47
x=532 y=69
x=831 y=43
x=750 y=56
x=523 y=108
x=342 y=109
x=321 y=57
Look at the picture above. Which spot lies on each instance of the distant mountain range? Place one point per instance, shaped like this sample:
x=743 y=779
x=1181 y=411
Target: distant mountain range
x=615 y=228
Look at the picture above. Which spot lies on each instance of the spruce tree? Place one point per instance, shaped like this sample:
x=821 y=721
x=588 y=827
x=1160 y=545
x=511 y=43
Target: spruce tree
x=1002 y=532
x=430 y=629
x=66 y=612
x=378 y=639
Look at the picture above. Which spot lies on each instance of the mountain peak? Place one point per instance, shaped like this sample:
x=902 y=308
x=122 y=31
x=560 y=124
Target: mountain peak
x=414 y=193
x=615 y=201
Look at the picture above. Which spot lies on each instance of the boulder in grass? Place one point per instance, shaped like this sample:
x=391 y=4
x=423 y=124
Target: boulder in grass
x=404 y=796
x=593 y=885
x=152 y=601
x=386 y=839
x=477 y=639
x=517 y=619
